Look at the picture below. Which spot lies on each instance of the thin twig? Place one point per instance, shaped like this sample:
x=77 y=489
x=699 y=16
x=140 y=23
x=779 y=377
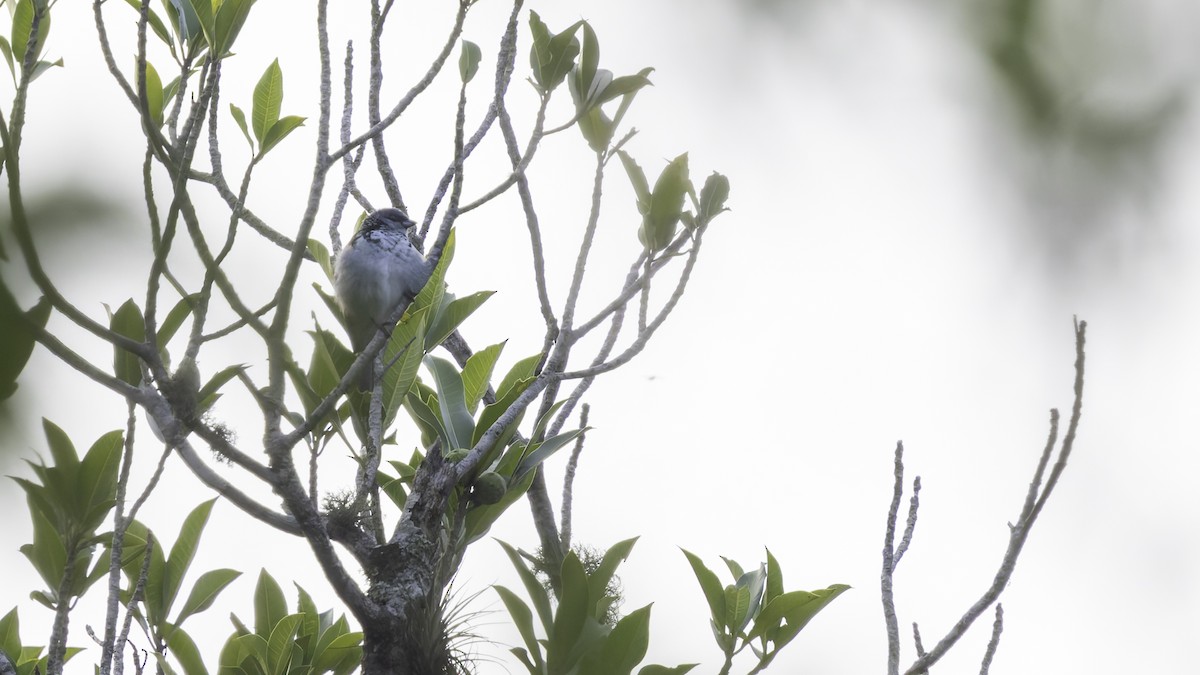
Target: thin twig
x=994 y=642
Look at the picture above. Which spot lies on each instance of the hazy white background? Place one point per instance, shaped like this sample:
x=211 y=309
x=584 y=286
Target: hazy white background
x=902 y=261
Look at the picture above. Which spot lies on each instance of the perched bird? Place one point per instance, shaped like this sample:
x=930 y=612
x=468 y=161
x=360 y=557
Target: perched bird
x=378 y=273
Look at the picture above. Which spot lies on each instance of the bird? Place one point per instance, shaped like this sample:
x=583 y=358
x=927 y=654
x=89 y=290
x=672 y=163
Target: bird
x=378 y=273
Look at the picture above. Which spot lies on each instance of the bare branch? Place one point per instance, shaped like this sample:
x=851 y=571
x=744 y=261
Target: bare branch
x=911 y=524
x=994 y=642
x=889 y=564
x=413 y=93
x=1034 y=501
x=569 y=480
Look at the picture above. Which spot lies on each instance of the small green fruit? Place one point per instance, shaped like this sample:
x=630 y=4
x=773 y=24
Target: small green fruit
x=456 y=456
x=489 y=488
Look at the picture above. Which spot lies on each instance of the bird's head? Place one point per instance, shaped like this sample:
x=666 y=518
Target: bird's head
x=389 y=219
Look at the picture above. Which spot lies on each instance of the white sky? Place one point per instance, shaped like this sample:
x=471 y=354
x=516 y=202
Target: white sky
x=879 y=278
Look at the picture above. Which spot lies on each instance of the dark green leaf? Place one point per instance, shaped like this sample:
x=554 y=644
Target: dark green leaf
x=16 y=341
x=175 y=318
x=127 y=321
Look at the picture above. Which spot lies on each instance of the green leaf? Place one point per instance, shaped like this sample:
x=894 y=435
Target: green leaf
x=522 y=618
x=280 y=644
x=96 y=481
x=457 y=420
x=627 y=643
x=666 y=205
x=43 y=66
x=551 y=56
x=6 y=50
x=452 y=316
x=184 y=650
x=613 y=557
x=404 y=348
x=156 y=22
x=321 y=254
x=127 y=321
x=637 y=178
x=734 y=568
x=182 y=310
x=205 y=591
x=663 y=670
x=279 y=131
x=61 y=448
x=784 y=617
x=270 y=607
x=10 y=633
x=184 y=20
x=540 y=452
x=154 y=95
x=240 y=118
x=208 y=393
x=468 y=61
x=589 y=60
x=204 y=14
x=22 y=27
x=712 y=198
x=774 y=579
x=711 y=586
x=478 y=373
x=231 y=15
x=537 y=592
x=521 y=370
x=737 y=603
x=569 y=618
x=268 y=97
x=184 y=550
x=624 y=86
x=597 y=129
x=16 y=341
